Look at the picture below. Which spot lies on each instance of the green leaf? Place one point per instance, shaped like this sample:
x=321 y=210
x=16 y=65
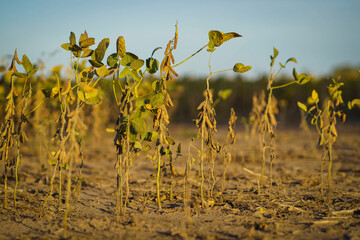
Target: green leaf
x=240 y=68
x=66 y=46
x=137 y=145
x=178 y=150
x=95 y=63
x=230 y=35
x=102 y=71
x=87 y=74
x=134 y=74
x=83 y=37
x=302 y=78
x=291 y=60
x=72 y=38
x=20 y=75
x=75 y=48
x=138 y=125
x=137 y=64
x=216 y=37
x=152 y=65
x=88 y=95
x=26 y=64
x=46 y=92
x=156 y=85
x=157 y=100
x=276 y=53
x=99 y=52
x=128 y=58
x=315 y=96
x=112 y=60
x=146 y=147
x=120 y=46
x=91 y=101
x=86 y=53
x=87 y=42
x=150 y=136
x=125 y=72
x=52 y=162
x=224 y=94
x=302 y=106
x=354 y=103
x=295 y=74
x=32 y=72
x=170 y=140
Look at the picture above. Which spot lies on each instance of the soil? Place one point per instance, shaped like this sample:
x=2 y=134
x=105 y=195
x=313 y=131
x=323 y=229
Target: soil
x=292 y=208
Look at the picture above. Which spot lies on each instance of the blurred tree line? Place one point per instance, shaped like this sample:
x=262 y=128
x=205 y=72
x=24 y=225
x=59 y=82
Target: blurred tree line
x=243 y=91
x=187 y=92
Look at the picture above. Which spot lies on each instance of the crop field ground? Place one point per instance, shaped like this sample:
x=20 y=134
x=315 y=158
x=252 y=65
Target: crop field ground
x=291 y=209
x=99 y=153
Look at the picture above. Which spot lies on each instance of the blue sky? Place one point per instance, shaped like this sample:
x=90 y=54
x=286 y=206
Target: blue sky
x=320 y=34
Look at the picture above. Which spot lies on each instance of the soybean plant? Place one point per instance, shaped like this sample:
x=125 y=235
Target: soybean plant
x=268 y=121
x=324 y=120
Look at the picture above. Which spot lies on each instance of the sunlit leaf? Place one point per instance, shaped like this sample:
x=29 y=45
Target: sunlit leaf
x=295 y=74
x=178 y=150
x=102 y=71
x=137 y=64
x=125 y=72
x=88 y=94
x=138 y=125
x=95 y=63
x=240 y=68
x=157 y=100
x=354 y=103
x=135 y=75
x=52 y=162
x=83 y=37
x=302 y=106
x=170 y=140
x=26 y=64
x=315 y=96
x=137 y=145
x=72 y=38
x=150 y=136
x=87 y=74
x=216 y=37
x=152 y=65
x=47 y=93
x=20 y=75
x=128 y=58
x=87 y=42
x=112 y=60
x=32 y=72
x=66 y=46
x=224 y=94
x=230 y=35
x=86 y=53
x=120 y=46
x=276 y=53
x=99 y=52
x=291 y=60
